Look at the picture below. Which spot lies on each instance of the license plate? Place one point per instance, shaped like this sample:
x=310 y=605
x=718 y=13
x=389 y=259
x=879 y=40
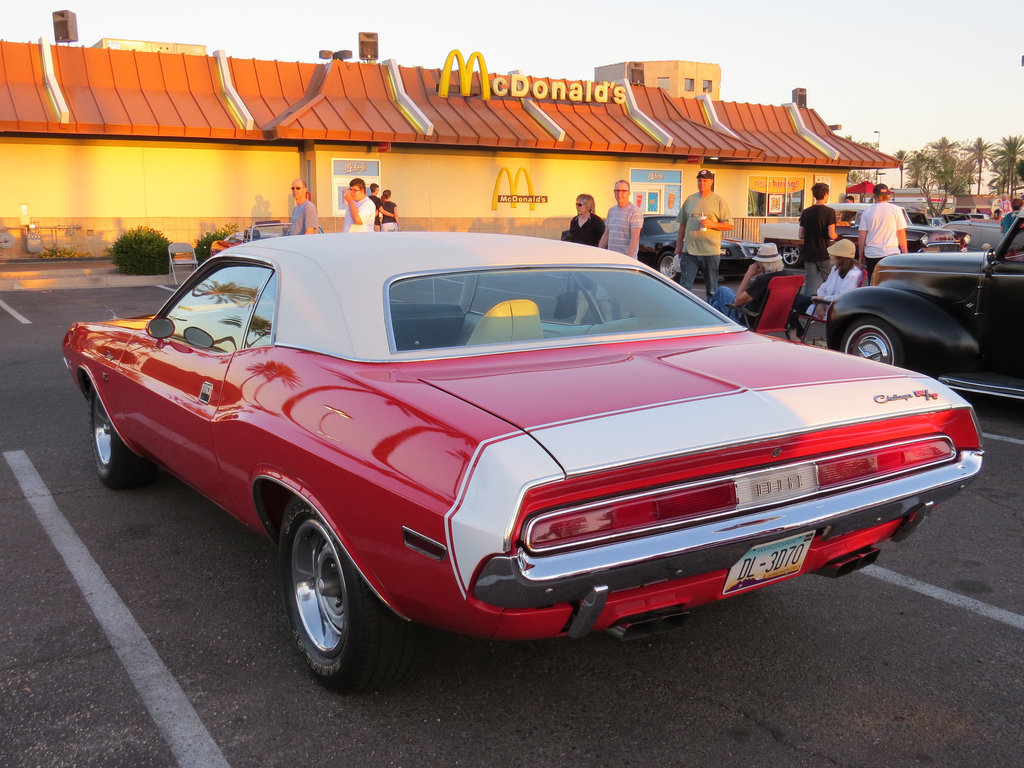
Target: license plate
x=768 y=562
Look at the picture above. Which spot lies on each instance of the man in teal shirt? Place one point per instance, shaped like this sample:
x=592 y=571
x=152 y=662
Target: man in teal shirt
x=702 y=219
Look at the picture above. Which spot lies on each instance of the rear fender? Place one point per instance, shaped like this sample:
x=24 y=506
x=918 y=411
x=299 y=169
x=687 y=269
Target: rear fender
x=934 y=342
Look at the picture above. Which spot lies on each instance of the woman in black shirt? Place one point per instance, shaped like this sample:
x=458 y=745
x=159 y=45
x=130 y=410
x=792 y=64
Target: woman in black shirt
x=586 y=226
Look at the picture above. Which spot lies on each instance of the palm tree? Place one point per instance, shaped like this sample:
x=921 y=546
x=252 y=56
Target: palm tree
x=979 y=152
x=1008 y=153
x=902 y=155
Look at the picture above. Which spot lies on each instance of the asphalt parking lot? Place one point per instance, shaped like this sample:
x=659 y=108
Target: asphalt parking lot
x=145 y=628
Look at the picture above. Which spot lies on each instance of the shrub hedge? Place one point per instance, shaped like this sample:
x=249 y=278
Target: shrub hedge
x=141 y=251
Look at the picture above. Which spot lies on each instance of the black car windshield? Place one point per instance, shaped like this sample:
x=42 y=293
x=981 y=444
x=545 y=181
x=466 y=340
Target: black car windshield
x=519 y=305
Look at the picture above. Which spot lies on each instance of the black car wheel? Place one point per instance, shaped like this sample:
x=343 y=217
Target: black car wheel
x=351 y=641
x=791 y=255
x=874 y=339
x=116 y=464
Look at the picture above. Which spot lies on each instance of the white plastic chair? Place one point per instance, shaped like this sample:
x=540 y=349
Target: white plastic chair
x=178 y=255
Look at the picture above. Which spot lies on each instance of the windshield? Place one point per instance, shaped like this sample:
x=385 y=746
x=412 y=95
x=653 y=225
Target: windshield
x=517 y=305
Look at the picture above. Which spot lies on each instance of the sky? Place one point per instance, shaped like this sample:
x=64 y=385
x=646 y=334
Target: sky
x=901 y=72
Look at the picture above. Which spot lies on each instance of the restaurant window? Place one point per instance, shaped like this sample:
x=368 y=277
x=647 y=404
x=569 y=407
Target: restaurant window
x=343 y=171
x=775 y=196
x=688 y=84
x=707 y=86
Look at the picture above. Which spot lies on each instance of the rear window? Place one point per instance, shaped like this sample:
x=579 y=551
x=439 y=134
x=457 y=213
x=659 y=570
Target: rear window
x=520 y=305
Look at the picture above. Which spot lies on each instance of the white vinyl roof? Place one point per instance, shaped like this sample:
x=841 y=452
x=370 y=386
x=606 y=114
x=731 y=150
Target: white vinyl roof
x=332 y=290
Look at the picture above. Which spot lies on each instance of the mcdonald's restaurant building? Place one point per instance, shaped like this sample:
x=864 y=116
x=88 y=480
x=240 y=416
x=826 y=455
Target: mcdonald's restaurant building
x=95 y=141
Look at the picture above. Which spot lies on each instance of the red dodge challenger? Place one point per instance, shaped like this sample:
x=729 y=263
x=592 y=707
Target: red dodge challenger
x=506 y=437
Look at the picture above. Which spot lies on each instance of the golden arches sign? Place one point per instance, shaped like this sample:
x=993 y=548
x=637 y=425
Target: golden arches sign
x=465 y=74
x=513 y=198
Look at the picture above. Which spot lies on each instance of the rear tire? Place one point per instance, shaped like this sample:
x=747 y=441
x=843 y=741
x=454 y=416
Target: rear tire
x=350 y=640
x=874 y=339
x=116 y=464
x=791 y=256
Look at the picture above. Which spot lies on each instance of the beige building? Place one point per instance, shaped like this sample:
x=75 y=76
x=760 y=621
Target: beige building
x=680 y=79
x=95 y=141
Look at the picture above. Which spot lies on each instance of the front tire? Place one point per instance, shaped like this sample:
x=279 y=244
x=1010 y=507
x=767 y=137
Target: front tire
x=874 y=339
x=116 y=464
x=350 y=640
x=791 y=256
x=665 y=259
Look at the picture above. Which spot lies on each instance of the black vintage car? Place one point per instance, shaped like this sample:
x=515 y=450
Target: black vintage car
x=954 y=316
x=658 y=243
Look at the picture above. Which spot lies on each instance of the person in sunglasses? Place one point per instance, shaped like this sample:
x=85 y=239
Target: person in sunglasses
x=586 y=227
x=304 y=217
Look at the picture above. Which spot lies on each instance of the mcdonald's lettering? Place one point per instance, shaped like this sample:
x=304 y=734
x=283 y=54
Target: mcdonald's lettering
x=513 y=198
x=521 y=87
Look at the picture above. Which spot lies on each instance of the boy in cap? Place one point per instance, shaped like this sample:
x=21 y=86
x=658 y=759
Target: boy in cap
x=702 y=219
x=882 y=230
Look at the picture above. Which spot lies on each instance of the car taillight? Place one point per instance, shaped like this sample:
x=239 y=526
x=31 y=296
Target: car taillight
x=666 y=508
x=884 y=461
x=619 y=518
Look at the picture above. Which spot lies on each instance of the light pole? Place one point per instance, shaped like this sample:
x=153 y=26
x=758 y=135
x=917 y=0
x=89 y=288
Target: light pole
x=878 y=146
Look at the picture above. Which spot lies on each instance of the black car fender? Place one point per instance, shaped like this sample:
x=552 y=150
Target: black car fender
x=933 y=340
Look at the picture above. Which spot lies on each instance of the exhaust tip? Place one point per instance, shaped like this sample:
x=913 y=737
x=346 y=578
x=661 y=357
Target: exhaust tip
x=846 y=564
x=646 y=624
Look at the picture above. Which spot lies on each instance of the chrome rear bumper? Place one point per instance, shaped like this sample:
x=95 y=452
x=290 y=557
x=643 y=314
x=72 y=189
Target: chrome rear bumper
x=532 y=581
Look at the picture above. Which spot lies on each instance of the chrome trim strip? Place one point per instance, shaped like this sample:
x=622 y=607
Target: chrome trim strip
x=529 y=581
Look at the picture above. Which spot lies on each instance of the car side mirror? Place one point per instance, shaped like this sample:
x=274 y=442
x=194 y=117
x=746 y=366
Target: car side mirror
x=197 y=337
x=160 y=328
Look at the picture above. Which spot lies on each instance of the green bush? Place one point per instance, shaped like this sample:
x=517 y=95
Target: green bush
x=209 y=238
x=140 y=251
x=57 y=252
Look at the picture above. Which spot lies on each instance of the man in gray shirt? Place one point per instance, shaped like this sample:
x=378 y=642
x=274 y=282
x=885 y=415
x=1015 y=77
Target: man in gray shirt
x=304 y=218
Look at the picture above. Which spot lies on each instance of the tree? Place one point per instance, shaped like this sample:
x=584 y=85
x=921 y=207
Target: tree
x=903 y=156
x=1007 y=154
x=943 y=169
x=980 y=152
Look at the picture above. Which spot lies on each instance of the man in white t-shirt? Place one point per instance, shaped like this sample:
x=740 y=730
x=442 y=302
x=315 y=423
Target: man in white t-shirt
x=882 y=230
x=359 y=209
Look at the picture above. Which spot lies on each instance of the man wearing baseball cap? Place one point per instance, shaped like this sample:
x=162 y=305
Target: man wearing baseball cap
x=702 y=219
x=882 y=230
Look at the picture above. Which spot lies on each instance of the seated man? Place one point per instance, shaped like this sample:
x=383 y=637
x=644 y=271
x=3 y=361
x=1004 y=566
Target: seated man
x=753 y=288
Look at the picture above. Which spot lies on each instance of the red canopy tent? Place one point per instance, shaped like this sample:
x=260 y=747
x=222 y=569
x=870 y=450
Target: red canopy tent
x=864 y=188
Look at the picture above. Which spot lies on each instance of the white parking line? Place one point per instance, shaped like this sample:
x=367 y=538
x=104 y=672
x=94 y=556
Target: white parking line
x=14 y=313
x=191 y=743
x=1014 y=620
x=1003 y=438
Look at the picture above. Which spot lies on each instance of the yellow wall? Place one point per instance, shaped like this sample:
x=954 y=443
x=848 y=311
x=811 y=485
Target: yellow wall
x=102 y=187
x=101 y=178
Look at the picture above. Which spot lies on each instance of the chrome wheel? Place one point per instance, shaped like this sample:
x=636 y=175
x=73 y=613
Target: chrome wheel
x=874 y=340
x=790 y=255
x=102 y=433
x=319 y=587
x=351 y=641
x=117 y=466
x=665 y=264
